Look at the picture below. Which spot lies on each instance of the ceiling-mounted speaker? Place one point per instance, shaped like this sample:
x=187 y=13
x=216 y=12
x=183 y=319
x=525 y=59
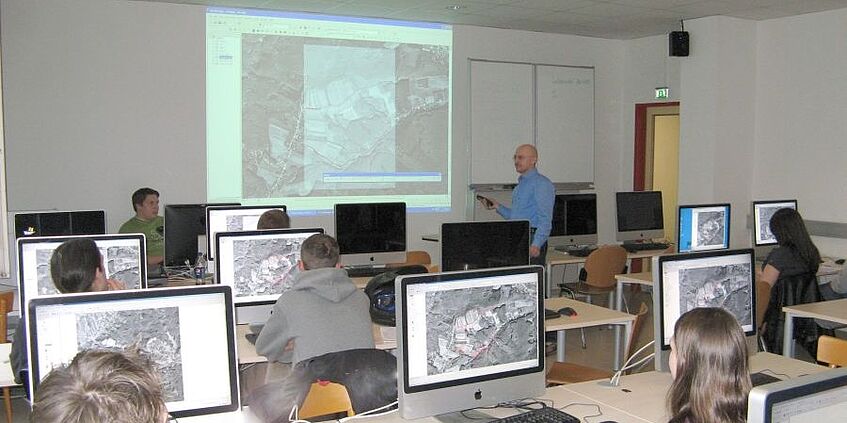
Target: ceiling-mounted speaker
x=678 y=43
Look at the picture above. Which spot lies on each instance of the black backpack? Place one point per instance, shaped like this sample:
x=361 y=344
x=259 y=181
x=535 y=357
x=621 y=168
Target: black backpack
x=380 y=291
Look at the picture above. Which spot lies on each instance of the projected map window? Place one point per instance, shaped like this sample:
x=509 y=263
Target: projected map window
x=315 y=110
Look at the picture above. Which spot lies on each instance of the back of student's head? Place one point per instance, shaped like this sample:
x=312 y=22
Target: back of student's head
x=74 y=265
x=273 y=219
x=319 y=251
x=101 y=386
x=712 y=375
x=789 y=230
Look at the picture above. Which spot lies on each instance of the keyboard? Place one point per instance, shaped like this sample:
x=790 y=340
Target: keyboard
x=364 y=271
x=541 y=415
x=550 y=314
x=575 y=251
x=759 y=378
x=644 y=246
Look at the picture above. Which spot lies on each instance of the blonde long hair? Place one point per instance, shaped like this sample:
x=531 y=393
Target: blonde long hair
x=712 y=373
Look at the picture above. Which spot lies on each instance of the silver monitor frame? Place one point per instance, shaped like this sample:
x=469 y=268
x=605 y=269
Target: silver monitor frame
x=762 y=398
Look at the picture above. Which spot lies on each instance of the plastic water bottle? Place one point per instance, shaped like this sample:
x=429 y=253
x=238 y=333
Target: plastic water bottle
x=200 y=269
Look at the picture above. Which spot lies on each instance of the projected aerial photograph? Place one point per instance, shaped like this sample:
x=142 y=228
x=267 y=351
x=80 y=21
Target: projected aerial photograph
x=362 y=110
x=265 y=266
x=480 y=327
x=726 y=287
x=121 y=263
x=154 y=330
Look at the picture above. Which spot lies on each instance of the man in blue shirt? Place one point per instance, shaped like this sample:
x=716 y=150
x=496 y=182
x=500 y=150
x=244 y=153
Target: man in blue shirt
x=532 y=200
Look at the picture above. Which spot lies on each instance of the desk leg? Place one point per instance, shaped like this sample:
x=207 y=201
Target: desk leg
x=788 y=336
x=618 y=307
x=548 y=287
x=560 y=345
x=627 y=340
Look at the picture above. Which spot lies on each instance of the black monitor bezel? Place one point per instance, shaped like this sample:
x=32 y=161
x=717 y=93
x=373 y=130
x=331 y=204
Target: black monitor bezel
x=69 y=218
x=265 y=232
x=728 y=207
x=88 y=297
x=391 y=204
x=658 y=283
x=198 y=206
x=755 y=219
x=405 y=281
x=575 y=196
x=446 y=240
x=209 y=209
x=619 y=196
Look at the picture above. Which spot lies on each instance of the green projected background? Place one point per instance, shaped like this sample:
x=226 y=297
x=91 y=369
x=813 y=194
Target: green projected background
x=309 y=110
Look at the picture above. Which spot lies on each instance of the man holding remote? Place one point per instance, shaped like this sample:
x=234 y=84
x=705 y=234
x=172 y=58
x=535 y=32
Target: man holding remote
x=532 y=199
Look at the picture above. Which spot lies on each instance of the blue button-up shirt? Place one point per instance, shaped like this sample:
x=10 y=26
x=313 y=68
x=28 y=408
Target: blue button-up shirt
x=533 y=200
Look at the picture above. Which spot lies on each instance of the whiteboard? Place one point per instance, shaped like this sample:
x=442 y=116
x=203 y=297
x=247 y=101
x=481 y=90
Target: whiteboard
x=546 y=105
x=501 y=119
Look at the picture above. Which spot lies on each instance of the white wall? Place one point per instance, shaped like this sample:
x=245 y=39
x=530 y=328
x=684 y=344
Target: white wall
x=105 y=96
x=801 y=117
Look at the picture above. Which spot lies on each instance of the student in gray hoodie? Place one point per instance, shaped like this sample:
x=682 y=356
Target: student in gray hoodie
x=323 y=312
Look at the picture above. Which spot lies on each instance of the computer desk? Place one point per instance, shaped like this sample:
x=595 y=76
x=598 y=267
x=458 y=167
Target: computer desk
x=383 y=340
x=587 y=315
x=832 y=311
x=643 y=395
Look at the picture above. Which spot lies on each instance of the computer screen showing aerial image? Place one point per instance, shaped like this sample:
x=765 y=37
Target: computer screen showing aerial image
x=478 y=327
x=155 y=331
x=726 y=286
x=711 y=231
x=265 y=266
x=121 y=263
x=765 y=214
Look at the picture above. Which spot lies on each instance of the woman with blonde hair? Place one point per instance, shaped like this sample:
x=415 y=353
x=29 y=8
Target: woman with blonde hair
x=710 y=369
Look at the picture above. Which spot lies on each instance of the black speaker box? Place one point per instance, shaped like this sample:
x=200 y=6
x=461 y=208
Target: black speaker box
x=678 y=43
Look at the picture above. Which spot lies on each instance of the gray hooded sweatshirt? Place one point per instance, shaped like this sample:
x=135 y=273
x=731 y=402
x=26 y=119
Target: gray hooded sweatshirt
x=323 y=312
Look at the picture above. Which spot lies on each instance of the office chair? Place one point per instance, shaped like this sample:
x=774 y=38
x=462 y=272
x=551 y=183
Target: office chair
x=564 y=372
x=763 y=296
x=325 y=398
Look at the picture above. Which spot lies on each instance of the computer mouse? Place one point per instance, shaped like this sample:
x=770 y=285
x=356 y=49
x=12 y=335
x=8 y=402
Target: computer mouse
x=839 y=261
x=567 y=311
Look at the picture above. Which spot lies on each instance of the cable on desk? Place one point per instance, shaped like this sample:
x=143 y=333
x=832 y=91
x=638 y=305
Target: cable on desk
x=590 y=416
x=775 y=373
x=369 y=413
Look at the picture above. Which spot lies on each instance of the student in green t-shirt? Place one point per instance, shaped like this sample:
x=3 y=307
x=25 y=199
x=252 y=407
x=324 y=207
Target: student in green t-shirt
x=145 y=202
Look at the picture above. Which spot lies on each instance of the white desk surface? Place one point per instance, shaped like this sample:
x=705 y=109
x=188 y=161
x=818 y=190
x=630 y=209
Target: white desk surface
x=6 y=377
x=384 y=338
x=833 y=311
x=555 y=258
x=587 y=315
x=642 y=278
x=643 y=394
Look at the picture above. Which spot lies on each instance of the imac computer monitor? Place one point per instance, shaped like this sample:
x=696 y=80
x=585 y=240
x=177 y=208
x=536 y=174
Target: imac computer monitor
x=703 y=227
x=762 y=212
x=187 y=333
x=574 y=220
x=371 y=233
x=682 y=282
x=184 y=224
x=60 y=223
x=124 y=259
x=231 y=219
x=483 y=245
x=259 y=265
x=469 y=339
x=639 y=215
x=816 y=398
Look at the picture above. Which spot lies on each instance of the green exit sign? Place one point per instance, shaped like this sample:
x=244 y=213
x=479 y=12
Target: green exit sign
x=662 y=93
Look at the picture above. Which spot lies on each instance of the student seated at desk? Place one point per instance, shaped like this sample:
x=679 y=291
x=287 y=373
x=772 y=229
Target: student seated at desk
x=75 y=266
x=710 y=368
x=273 y=219
x=145 y=203
x=791 y=270
x=101 y=386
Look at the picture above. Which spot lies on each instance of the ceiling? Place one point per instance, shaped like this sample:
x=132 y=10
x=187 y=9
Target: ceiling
x=614 y=19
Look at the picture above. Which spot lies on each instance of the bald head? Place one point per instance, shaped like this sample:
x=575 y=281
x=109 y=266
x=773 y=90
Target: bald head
x=526 y=156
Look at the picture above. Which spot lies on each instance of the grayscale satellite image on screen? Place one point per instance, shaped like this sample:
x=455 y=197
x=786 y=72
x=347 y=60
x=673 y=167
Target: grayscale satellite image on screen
x=478 y=327
x=155 y=331
x=313 y=107
x=765 y=214
x=710 y=229
x=265 y=266
x=727 y=287
x=121 y=263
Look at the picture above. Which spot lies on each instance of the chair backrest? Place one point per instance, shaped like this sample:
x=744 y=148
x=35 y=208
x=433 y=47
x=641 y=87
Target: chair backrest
x=603 y=264
x=832 y=351
x=326 y=398
x=636 y=329
x=763 y=297
x=7 y=301
x=414 y=257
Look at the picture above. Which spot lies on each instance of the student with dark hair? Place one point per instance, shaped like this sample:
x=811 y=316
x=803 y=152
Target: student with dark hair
x=791 y=270
x=75 y=266
x=101 y=386
x=710 y=369
x=145 y=203
x=273 y=219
